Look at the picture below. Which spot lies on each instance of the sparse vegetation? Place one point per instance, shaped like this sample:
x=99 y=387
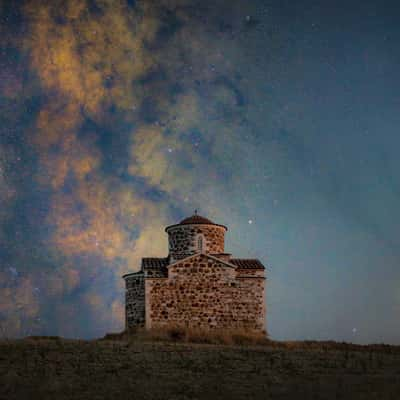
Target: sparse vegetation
x=174 y=363
x=175 y=333
x=241 y=337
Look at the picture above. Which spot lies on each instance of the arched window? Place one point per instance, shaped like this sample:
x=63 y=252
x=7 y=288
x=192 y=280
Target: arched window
x=200 y=243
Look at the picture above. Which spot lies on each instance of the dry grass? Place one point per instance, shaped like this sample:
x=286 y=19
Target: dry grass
x=176 y=333
x=238 y=337
x=209 y=336
x=158 y=364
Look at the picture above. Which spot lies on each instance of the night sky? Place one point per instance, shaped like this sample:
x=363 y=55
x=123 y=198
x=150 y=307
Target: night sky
x=279 y=119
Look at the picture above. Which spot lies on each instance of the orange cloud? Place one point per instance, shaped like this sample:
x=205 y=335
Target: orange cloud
x=91 y=59
x=87 y=63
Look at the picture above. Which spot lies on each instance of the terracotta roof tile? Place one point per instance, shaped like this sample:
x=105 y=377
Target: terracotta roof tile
x=154 y=263
x=162 y=263
x=247 y=263
x=196 y=219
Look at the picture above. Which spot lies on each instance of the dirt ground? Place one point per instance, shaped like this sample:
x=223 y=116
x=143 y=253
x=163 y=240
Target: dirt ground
x=118 y=369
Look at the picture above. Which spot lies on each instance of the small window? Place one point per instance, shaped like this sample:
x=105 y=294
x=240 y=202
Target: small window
x=200 y=243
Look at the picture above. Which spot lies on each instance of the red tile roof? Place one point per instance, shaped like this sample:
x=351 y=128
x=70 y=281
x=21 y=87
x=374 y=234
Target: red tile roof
x=154 y=263
x=246 y=263
x=196 y=219
x=162 y=263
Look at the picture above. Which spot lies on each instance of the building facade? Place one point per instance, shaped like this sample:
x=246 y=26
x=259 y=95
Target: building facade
x=197 y=284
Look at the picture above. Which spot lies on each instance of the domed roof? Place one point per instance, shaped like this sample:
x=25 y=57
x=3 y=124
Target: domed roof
x=196 y=219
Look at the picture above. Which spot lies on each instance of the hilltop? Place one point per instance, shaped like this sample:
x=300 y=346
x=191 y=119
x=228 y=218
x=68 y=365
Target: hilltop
x=122 y=368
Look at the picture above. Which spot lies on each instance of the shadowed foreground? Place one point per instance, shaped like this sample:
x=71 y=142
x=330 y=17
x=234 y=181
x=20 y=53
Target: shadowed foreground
x=119 y=369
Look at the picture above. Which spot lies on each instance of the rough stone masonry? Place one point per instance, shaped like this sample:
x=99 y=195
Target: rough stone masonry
x=197 y=284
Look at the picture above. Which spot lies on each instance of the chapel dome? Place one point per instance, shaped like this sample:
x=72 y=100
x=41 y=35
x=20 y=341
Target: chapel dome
x=195 y=234
x=196 y=219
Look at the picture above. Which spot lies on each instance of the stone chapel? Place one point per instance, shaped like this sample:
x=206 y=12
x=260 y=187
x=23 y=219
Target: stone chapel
x=197 y=284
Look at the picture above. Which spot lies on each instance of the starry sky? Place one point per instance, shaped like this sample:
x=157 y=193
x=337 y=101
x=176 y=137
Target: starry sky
x=278 y=119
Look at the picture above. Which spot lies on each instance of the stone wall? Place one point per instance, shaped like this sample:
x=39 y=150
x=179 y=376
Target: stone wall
x=134 y=300
x=183 y=240
x=204 y=292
